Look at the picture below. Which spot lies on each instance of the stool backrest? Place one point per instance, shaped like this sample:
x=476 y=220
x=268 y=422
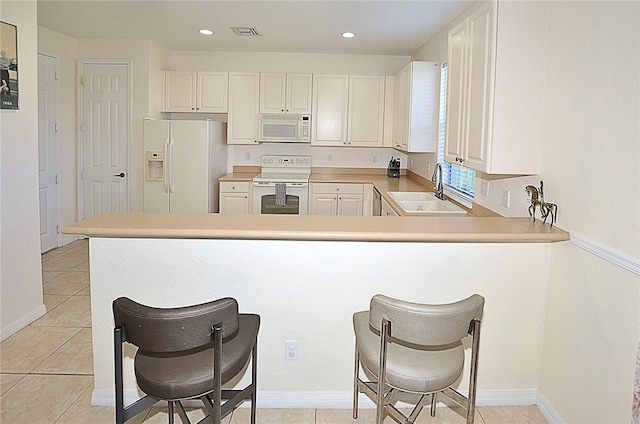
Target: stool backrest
x=426 y=325
x=167 y=330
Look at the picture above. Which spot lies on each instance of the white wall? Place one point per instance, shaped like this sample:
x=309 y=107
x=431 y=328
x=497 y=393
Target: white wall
x=289 y=62
x=20 y=268
x=327 y=282
x=64 y=49
x=138 y=53
x=590 y=163
x=590 y=168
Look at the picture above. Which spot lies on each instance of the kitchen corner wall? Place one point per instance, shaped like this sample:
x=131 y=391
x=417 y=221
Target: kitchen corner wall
x=20 y=271
x=64 y=49
x=590 y=157
x=589 y=163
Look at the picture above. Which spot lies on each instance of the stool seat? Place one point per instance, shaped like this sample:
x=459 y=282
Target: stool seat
x=406 y=368
x=191 y=375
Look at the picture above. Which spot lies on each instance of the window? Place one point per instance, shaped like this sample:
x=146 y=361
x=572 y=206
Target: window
x=455 y=177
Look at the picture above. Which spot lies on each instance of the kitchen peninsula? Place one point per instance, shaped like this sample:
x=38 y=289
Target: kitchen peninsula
x=307 y=275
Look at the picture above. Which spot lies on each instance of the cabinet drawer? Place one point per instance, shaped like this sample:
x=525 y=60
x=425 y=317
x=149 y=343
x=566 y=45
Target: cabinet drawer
x=234 y=187
x=331 y=188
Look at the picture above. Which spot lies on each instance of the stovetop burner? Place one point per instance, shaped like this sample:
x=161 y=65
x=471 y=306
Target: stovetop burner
x=284 y=169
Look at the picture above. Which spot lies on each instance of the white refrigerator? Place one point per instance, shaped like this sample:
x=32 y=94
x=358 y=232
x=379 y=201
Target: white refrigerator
x=183 y=161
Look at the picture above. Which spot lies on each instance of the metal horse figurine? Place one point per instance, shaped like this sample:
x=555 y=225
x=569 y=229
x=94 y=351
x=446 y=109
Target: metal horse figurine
x=537 y=199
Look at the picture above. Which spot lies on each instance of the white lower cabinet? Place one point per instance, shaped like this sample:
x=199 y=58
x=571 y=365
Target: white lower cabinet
x=336 y=199
x=235 y=197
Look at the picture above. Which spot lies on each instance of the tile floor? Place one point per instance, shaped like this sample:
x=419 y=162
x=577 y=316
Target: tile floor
x=46 y=368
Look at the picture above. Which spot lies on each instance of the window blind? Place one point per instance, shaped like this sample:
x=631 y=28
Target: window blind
x=455 y=177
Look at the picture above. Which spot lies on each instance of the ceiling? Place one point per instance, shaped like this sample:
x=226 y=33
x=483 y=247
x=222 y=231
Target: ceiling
x=383 y=27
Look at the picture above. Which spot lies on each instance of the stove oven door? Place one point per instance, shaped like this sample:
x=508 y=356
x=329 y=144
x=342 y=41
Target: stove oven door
x=296 y=200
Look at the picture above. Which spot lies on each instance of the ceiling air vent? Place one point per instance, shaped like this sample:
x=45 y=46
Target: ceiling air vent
x=246 y=31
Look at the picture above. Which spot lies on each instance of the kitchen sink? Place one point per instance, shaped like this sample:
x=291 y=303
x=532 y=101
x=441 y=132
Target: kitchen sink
x=424 y=203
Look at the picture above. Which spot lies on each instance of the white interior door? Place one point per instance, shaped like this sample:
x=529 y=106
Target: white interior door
x=105 y=137
x=48 y=154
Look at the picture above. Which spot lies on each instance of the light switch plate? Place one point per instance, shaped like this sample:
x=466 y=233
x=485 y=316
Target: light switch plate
x=484 y=188
x=506 y=198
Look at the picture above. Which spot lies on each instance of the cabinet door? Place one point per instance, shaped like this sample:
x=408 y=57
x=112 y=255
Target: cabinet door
x=456 y=76
x=244 y=93
x=329 y=123
x=401 y=109
x=180 y=91
x=366 y=111
x=387 y=210
x=273 y=92
x=234 y=203
x=479 y=91
x=349 y=204
x=212 y=92
x=324 y=204
x=298 y=93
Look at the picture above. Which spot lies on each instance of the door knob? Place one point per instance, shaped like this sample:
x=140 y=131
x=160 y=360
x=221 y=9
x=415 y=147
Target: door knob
x=121 y=175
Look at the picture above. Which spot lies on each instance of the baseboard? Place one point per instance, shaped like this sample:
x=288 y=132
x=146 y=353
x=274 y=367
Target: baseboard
x=336 y=400
x=547 y=410
x=67 y=238
x=25 y=320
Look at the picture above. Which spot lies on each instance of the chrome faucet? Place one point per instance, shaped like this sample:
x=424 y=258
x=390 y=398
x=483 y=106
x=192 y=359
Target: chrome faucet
x=437 y=178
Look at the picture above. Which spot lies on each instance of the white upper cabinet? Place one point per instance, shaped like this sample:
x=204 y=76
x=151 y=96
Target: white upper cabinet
x=212 y=92
x=348 y=110
x=190 y=91
x=495 y=88
x=415 y=107
x=285 y=93
x=329 y=111
x=366 y=111
x=244 y=92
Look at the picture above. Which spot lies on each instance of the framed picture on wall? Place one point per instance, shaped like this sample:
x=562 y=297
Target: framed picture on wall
x=8 y=66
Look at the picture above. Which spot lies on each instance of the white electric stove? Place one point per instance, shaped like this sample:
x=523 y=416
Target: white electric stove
x=282 y=187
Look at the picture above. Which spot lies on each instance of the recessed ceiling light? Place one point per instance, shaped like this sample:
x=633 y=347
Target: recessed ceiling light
x=205 y=32
x=348 y=34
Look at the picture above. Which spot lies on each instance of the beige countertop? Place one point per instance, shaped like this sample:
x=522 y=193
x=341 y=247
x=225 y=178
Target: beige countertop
x=380 y=180
x=313 y=227
x=479 y=226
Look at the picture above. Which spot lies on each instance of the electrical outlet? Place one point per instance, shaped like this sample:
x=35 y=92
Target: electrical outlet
x=428 y=167
x=247 y=156
x=291 y=350
x=484 y=188
x=506 y=198
x=375 y=159
x=329 y=157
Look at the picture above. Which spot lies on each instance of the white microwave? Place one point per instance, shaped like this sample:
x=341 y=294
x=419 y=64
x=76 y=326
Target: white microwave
x=285 y=128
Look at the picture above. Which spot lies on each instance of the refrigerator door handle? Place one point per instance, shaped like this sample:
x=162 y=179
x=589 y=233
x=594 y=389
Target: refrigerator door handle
x=170 y=166
x=166 y=166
